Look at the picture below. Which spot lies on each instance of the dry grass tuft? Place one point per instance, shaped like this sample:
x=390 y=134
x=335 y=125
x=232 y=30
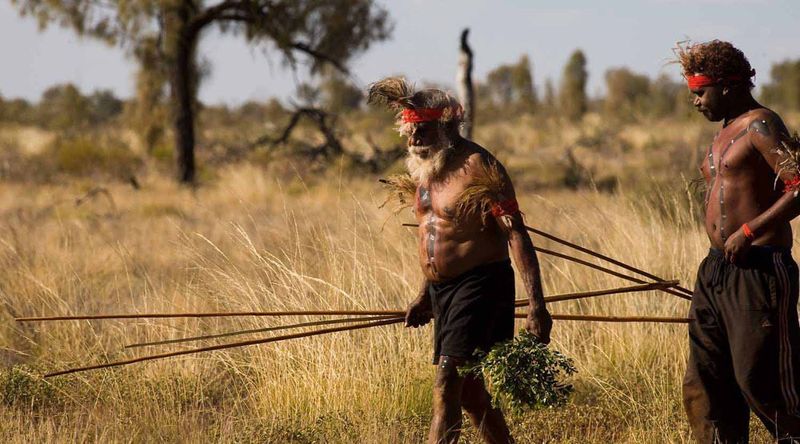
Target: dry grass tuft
x=477 y=198
x=401 y=189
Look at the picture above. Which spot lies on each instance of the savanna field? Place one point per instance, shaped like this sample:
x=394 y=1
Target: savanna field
x=274 y=231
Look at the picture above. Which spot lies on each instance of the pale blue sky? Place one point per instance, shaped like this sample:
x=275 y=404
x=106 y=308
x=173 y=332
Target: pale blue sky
x=637 y=34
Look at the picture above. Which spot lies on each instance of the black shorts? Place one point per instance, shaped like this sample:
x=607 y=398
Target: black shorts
x=473 y=311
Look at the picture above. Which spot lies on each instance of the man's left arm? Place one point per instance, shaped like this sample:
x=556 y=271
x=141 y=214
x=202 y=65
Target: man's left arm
x=767 y=134
x=506 y=212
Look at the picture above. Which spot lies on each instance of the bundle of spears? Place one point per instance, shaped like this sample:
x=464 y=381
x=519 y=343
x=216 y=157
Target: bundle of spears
x=362 y=319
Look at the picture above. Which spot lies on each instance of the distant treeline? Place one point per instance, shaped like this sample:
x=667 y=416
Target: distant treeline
x=507 y=90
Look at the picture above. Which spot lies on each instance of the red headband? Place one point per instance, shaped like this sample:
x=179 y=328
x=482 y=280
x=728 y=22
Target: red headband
x=422 y=114
x=699 y=80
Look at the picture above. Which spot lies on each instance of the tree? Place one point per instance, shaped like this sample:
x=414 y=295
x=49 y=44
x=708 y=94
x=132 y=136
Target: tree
x=522 y=83
x=549 y=101
x=511 y=86
x=784 y=89
x=668 y=97
x=63 y=107
x=573 y=87
x=103 y=106
x=627 y=93
x=339 y=94
x=328 y=32
x=148 y=110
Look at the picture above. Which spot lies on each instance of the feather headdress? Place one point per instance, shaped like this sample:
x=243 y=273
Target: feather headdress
x=393 y=91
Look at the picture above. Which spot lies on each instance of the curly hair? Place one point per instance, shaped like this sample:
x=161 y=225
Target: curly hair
x=717 y=59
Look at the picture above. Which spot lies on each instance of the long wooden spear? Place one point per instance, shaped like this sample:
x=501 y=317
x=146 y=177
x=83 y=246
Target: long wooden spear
x=603 y=257
x=230 y=345
x=520 y=302
x=588 y=294
x=259 y=330
x=569 y=317
x=683 y=293
x=358 y=326
x=607 y=270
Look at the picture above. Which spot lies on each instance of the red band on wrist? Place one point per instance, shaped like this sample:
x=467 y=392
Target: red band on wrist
x=748 y=233
x=505 y=208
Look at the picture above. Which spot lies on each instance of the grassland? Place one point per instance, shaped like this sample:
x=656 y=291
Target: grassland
x=285 y=237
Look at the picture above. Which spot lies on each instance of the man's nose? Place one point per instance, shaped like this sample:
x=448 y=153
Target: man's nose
x=696 y=101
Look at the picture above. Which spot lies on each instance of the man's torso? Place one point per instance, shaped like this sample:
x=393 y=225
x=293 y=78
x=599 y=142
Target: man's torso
x=450 y=247
x=741 y=186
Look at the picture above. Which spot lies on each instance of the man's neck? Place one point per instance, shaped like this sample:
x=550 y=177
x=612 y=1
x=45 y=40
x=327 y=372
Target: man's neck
x=739 y=107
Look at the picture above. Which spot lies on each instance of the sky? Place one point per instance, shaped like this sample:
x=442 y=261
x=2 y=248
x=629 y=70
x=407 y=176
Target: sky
x=639 y=34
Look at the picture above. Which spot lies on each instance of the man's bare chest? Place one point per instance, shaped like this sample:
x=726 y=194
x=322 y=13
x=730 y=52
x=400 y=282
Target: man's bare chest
x=730 y=156
x=440 y=199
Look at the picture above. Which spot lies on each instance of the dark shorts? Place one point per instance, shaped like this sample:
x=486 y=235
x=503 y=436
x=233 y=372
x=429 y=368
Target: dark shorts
x=473 y=311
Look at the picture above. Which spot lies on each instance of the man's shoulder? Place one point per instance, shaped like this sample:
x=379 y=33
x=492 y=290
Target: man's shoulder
x=764 y=122
x=479 y=156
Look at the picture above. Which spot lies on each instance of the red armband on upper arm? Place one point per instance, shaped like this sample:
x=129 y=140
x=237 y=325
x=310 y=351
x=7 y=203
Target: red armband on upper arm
x=508 y=207
x=792 y=184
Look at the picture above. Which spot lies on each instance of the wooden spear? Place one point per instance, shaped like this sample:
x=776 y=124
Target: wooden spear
x=588 y=294
x=569 y=317
x=345 y=328
x=603 y=257
x=607 y=270
x=259 y=330
x=519 y=303
x=683 y=293
x=230 y=345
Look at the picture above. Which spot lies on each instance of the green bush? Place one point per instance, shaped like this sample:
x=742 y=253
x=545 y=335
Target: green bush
x=89 y=154
x=22 y=387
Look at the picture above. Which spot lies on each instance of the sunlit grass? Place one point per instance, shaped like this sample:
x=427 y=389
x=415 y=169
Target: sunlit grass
x=254 y=242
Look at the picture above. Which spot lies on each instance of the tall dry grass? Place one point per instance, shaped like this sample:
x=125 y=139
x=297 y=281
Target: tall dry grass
x=252 y=242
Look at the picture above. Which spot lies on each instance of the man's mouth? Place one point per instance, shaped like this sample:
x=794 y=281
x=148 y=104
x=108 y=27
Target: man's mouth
x=419 y=150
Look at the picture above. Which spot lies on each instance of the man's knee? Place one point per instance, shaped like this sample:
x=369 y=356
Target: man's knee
x=448 y=383
x=474 y=397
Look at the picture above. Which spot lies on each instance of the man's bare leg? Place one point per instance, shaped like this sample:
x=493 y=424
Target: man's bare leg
x=446 y=424
x=489 y=420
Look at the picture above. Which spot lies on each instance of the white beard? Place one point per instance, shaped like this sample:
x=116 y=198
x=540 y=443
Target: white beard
x=428 y=162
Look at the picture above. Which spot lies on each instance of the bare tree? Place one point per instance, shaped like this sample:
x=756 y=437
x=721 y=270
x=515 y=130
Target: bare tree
x=466 y=92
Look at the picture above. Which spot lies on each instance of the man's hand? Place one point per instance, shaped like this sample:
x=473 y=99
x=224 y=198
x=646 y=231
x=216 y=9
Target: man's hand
x=539 y=323
x=419 y=312
x=736 y=246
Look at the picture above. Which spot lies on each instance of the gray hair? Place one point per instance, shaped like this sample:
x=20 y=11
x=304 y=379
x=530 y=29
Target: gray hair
x=398 y=94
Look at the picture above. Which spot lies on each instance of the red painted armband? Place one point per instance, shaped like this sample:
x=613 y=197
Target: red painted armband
x=792 y=184
x=507 y=207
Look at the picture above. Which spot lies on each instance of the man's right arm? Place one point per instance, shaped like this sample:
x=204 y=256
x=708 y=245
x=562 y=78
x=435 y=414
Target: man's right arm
x=420 y=311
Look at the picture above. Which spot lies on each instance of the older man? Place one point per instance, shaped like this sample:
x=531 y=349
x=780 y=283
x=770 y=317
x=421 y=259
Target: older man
x=744 y=336
x=468 y=217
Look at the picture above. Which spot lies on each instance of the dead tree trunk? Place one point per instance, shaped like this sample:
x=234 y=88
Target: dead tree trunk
x=466 y=92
